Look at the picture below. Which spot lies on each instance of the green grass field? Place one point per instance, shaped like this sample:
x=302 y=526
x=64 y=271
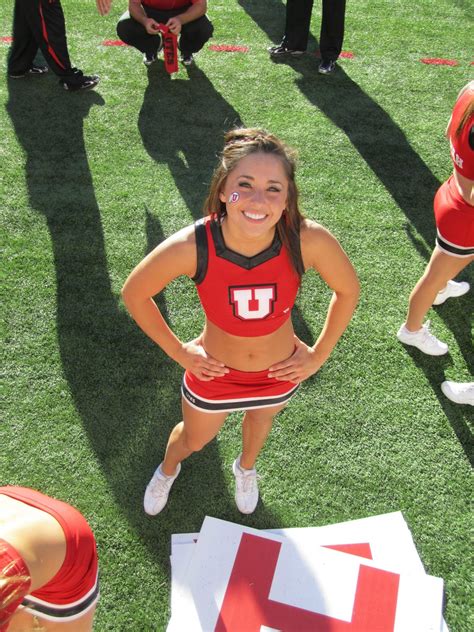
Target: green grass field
x=93 y=181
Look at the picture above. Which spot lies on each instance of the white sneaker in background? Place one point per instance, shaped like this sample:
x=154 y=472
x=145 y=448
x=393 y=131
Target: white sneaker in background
x=423 y=339
x=459 y=392
x=453 y=289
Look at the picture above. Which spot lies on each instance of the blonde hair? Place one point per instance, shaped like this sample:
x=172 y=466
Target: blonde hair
x=240 y=143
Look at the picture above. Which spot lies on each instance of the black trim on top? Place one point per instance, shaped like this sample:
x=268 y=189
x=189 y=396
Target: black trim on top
x=248 y=263
x=236 y=404
x=202 y=251
x=62 y=613
x=461 y=252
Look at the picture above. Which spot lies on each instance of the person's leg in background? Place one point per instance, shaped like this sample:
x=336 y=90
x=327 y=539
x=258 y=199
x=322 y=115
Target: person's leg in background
x=332 y=34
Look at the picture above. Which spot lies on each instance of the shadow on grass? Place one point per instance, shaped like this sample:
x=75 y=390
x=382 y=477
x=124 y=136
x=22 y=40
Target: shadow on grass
x=182 y=123
x=377 y=138
x=460 y=417
x=384 y=147
x=123 y=387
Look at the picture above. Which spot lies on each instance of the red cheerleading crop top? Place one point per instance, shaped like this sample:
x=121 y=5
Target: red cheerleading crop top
x=244 y=296
x=462 y=145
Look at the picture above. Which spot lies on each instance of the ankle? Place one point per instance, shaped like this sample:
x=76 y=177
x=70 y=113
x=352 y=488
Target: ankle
x=411 y=329
x=168 y=471
x=246 y=465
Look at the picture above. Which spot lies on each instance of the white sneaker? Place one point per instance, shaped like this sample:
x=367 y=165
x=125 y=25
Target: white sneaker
x=246 y=488
x=459 y=392
x=453 y=289
x=423 y=339
x=157 y=491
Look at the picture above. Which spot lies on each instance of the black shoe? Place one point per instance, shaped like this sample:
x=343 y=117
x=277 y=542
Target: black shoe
x=281 y=50
x=187 y=59
x=80 y=83
x=34 y=70
x=150 y=58
x=327 y=67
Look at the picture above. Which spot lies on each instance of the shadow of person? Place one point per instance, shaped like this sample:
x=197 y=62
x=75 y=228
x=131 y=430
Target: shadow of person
x=461 y=417
x=381 y=143
x=111 y=367
x=378 y=139
x=182 y=124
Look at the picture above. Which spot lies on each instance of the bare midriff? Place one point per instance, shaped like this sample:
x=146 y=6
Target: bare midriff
x=249 y=353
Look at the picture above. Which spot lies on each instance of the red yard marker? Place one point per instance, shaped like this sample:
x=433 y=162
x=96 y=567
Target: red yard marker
x=437 y=61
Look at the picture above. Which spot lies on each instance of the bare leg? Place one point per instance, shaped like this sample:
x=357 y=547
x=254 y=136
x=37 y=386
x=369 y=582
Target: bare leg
x=256 y=427
x=441 y=269
x=190 y=435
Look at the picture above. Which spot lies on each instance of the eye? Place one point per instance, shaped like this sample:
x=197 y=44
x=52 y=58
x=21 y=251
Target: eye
x=274 y=189
x=244 y=184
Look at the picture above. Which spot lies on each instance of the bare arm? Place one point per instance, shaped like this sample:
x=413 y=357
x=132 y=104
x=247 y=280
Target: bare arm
x=322 y=252
x=174 y=257
x=194 y=12
x=137 y=12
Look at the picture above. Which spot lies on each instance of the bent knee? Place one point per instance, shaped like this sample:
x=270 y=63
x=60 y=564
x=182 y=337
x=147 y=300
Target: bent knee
x=124 y=27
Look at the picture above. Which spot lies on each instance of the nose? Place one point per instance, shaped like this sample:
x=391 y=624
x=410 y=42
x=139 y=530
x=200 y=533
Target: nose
x=258 y=196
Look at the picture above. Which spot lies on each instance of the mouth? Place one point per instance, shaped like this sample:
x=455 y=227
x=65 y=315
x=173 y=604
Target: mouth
x=254 y=217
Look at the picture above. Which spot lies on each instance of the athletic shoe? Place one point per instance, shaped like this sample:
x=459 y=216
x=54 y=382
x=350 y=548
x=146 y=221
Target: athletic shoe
x=246 y=488
x=33 y=71
x=187 y=59
x=459 y=392
x=327 y=67
x=452 y=290
x=83 y=82
x=157 y=491
x=423 y=339
x=281 y=50
x=150 y=58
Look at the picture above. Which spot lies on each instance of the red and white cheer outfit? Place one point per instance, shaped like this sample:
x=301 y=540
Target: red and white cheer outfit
x=243 y=296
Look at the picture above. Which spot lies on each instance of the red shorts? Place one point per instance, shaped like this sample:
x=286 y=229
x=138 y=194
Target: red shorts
x=75 y=587
x=454 y=221
x=236 y=390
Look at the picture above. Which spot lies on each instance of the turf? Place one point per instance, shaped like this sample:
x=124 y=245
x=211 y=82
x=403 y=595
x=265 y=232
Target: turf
x=93 y=181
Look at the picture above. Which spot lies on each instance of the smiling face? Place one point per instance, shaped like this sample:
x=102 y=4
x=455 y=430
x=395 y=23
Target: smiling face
x=255 y=194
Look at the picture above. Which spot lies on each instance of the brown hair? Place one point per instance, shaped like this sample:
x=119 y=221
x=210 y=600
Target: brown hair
x=242 y=142
x=468 y=112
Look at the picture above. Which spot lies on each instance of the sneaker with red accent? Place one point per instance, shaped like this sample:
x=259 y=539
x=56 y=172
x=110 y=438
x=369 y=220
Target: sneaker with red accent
x=453 y=289
x=246 y=488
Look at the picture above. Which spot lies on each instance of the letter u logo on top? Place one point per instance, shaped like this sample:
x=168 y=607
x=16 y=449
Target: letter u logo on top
x=253 y=302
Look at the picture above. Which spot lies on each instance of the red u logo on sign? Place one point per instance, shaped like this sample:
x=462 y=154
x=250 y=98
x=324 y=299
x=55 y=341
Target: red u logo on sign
x=247 y=607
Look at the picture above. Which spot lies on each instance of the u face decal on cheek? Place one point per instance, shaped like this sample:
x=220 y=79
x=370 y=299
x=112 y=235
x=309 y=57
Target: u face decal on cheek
x=233 y=197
